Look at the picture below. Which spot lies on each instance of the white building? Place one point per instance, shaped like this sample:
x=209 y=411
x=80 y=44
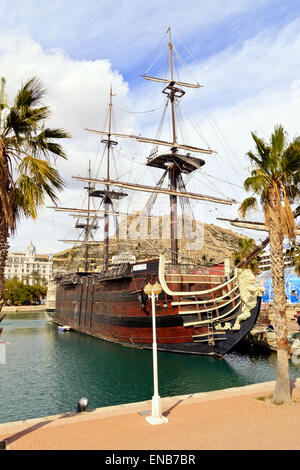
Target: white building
x=264 y=259
x=29 y=266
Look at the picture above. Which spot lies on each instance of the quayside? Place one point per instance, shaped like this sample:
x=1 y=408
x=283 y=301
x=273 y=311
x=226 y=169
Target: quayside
x=47 y=372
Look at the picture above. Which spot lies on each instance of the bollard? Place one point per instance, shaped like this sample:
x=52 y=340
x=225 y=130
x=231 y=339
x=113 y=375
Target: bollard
x=82 y=405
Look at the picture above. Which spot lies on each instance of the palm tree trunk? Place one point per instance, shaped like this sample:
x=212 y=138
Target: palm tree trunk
x=5 y=213
x=282 y=393
x=3 y=256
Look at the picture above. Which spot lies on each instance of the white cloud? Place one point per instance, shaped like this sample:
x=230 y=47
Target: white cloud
x=78 y=95
x=250 y=88
x=109 y=27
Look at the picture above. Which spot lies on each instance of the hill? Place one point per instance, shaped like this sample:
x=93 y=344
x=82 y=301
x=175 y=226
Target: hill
x=214 y=244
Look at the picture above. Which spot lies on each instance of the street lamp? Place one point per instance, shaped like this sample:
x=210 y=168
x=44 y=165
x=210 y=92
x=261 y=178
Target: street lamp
x=156 y=418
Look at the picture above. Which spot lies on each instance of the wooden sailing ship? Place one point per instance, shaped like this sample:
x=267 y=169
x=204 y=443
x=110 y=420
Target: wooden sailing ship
x=201 y=310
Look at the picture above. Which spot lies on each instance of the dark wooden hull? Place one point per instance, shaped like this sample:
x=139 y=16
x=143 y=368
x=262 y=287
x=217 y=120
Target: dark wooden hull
x=117 y=310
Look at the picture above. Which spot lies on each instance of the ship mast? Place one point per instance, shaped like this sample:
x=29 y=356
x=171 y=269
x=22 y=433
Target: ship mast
x=177 y=160
x=106 y=201
x=87 y=227
x=107 y=194
x=173 y=170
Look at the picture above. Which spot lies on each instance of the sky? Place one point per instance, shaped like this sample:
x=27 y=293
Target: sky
x=244 y=53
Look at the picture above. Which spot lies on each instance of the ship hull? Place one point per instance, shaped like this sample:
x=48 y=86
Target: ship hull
x=117 y=310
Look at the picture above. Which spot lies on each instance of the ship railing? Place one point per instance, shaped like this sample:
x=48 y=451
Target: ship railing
x=190 y=269
x=172 y=281
x=195 y=274
x=71 y=278
x=114 y=271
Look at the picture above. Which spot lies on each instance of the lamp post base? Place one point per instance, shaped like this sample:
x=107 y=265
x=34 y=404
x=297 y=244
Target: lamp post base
x=153 y=420
x=156 y=417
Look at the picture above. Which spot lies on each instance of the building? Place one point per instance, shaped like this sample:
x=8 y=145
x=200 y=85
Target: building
x=29 y=266
x=264 y=259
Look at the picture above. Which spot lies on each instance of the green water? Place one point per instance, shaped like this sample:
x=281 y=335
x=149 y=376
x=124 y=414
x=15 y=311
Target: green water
x=46 y=371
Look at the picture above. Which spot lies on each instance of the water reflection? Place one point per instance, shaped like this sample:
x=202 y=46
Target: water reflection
x=48 y=371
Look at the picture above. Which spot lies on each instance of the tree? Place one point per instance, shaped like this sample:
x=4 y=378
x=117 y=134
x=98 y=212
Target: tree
x=36 y=277
x=17 y=292
x=246 y=246
x=275 y=178
x=27 y=176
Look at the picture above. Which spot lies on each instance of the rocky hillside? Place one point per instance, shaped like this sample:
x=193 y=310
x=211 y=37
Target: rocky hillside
x=213 y=245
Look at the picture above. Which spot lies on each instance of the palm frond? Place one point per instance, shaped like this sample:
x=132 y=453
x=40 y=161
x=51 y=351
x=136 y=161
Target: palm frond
x=44 y=142
x=261 y=146
x=248 y=203
x=290 y=161
x=24 y=140
x=278 y=139
x=30 y=94
x=42 y=173
x=245 y=247
x=257 y=181
x=254 y=158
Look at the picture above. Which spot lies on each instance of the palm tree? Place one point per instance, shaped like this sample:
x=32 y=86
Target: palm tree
x=245 y=247
x=275 y=178
x=27 y=176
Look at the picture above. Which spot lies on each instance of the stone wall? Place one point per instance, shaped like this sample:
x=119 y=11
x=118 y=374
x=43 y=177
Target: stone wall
x=266 y=313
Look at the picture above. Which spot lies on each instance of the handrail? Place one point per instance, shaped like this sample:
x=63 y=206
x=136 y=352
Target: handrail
x=168 y=291
x=211 y=308
x=211 y=320
x=208 y=301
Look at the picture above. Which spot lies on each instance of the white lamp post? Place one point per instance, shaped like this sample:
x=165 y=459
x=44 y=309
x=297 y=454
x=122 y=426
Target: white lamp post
x=156 y=418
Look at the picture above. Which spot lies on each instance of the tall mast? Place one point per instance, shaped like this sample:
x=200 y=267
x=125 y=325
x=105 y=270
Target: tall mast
x=106 y=200
x=172 y=97
x=107 y=194
x=87 y=225
x=109 y=132
x=176 y=161
x=173 y=170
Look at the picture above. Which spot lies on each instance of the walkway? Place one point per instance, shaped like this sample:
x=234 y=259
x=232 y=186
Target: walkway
x=226 y=419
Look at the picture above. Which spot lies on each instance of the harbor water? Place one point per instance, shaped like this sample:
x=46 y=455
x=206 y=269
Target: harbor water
x=47 y=371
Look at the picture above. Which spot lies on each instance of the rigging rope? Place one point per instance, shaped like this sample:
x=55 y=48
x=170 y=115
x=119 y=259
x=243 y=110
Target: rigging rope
x=153 y=52
x=139 y=112
x=195 y=127
x=223 y=91
x=181 y=60
x=225 y=140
